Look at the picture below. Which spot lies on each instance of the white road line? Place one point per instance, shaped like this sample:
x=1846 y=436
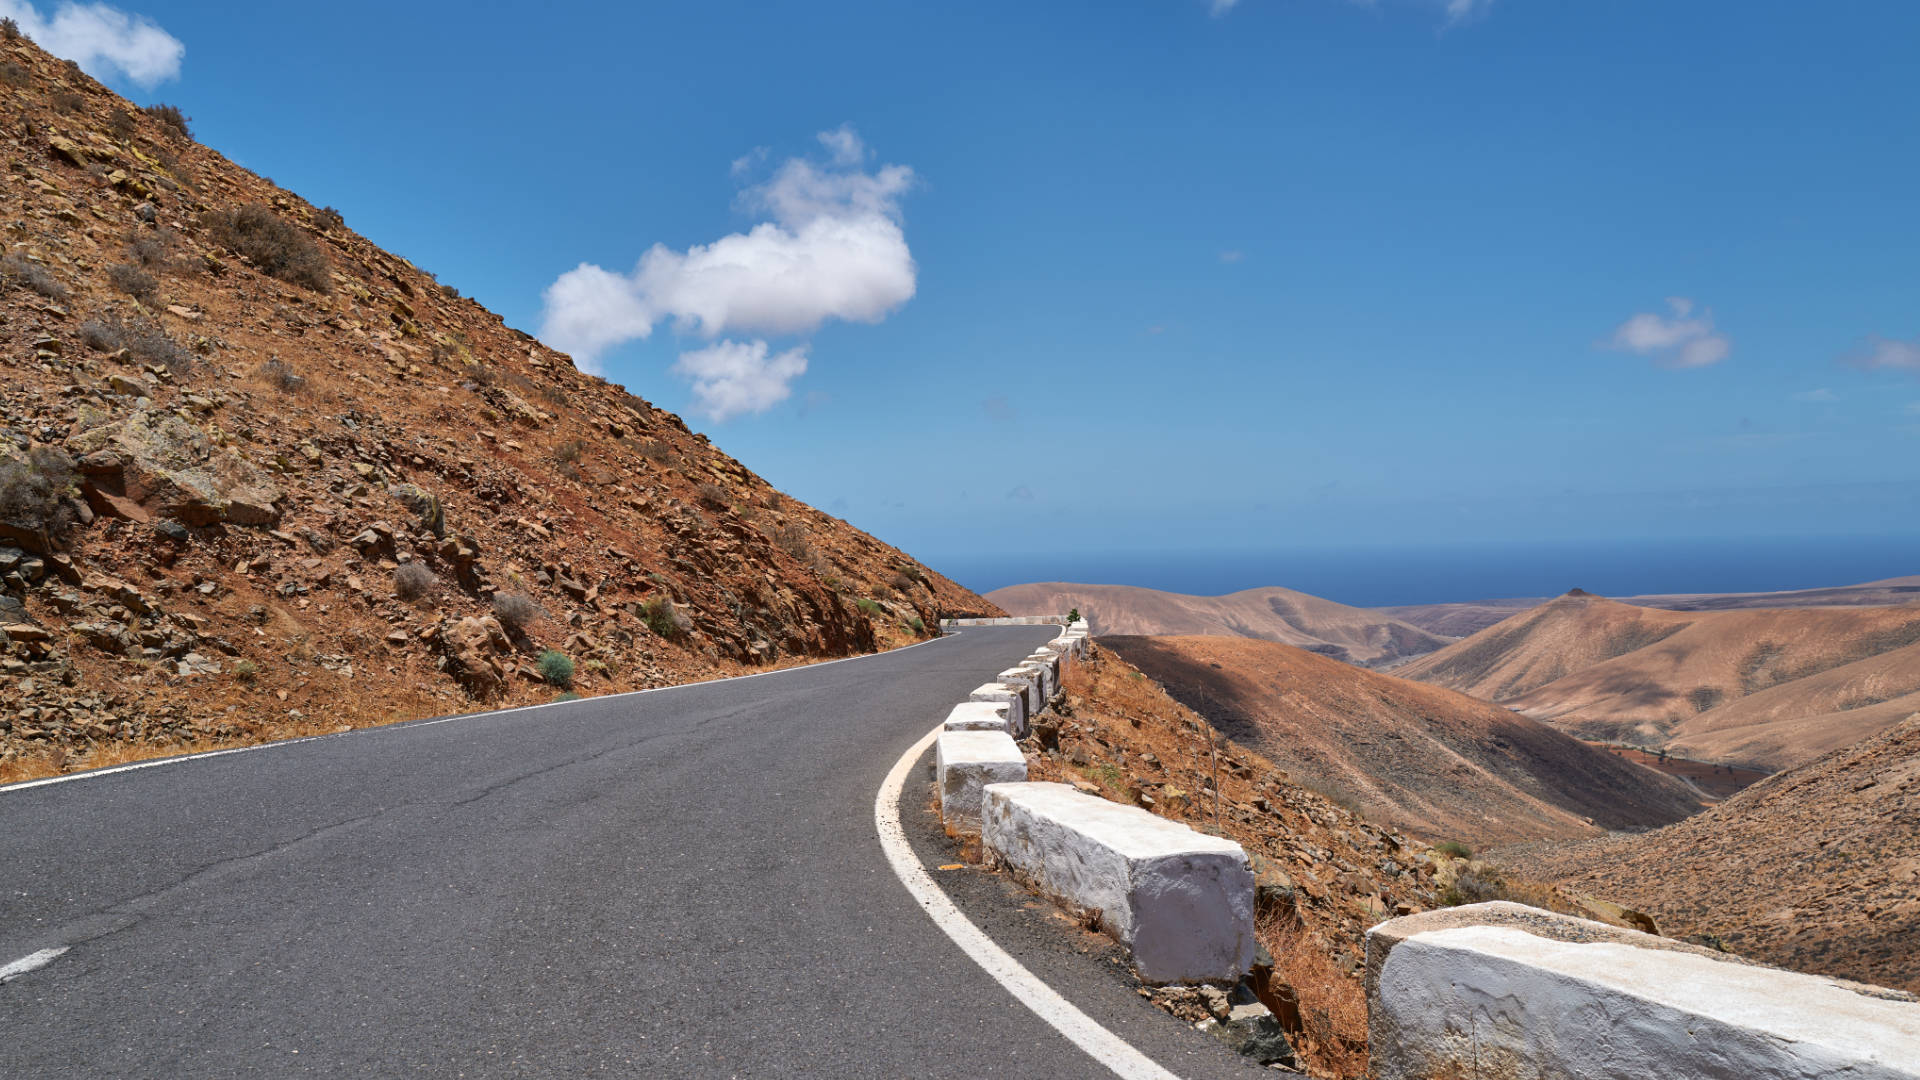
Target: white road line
x=33 y=962
x=404 y=725
x=1099 y=1043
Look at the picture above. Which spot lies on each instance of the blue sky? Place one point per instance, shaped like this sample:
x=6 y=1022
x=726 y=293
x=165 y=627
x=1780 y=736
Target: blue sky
x=1283 y=274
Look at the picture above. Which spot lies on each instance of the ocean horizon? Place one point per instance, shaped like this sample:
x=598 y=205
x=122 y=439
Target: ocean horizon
x=1384 y=577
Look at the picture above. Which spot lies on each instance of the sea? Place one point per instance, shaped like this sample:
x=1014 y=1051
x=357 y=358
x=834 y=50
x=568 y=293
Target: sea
x=1383 y=576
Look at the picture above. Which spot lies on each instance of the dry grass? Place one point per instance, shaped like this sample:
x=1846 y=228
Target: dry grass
x=1333 y=1008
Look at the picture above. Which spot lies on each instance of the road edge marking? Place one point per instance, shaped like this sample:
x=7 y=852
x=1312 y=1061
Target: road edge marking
x=30 y=962
x=1099 y=1043
x=152 y=763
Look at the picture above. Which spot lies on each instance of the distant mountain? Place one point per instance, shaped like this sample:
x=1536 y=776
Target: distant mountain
x=1816 y=868
x=1463 y=619
x=1270 y=614
x=1431 y=761
x=1768 y=687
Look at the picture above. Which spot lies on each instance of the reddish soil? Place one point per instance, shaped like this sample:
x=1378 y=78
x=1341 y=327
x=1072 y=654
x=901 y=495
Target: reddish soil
x=235 y=506
x=1716 y=782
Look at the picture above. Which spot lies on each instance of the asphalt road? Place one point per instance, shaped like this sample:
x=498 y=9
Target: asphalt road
x=679 y=883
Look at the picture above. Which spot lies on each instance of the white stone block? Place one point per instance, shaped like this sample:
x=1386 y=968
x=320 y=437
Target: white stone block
x=979 y=716
x=1028 y=681
x=1081 y=625
x=1014 y=697
x=1047 y=674
x=965 y=763
x=1495 y=1000
x=1180 y=899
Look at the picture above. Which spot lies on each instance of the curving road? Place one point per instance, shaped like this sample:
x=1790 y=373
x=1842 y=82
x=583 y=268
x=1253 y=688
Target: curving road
x=685 y=882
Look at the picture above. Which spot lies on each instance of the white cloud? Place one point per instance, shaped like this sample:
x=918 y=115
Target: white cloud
x=103 y=40
x=1221 y=7
x=1680 y=340
x=1818 y=396
x=834 y=248
x=1459 y=11
x=735 y=377
x=1889 y=354
x=1233 y=256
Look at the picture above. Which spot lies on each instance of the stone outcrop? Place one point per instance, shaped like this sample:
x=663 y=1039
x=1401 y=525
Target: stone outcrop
x=164 y=463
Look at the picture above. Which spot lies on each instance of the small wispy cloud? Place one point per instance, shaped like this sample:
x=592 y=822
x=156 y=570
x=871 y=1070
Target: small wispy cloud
x=1217 y=8
x=1886 y=354
x=1232 y=255
x=103 y=40
x=735 y=377
x=1681 y=340
x=999 y=409
x=1023 y=493
x=1460 y=11
x=1821 y=395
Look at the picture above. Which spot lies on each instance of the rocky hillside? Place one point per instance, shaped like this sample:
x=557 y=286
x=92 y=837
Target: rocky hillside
x=1356 y=635
x=1817 y=868
x=1419 y=758
x=1765 y=687
x=259 y=477
x=1324 y=873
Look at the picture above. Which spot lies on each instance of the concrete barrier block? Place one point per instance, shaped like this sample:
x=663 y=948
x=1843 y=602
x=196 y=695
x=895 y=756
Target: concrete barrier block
x=1504 y=990
x=1028 y=680
x=979 y=716
x=1046 y=678
x=1080 y=625
x=1180 y=899
x=965 y=763
x=1014 y=697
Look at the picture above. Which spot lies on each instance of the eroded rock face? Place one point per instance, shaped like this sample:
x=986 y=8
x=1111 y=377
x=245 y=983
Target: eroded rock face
x=163 y=462
x=474 y=648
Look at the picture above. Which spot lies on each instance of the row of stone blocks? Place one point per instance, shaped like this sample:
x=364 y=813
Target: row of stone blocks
x=1181 y=900
x=1504 y=990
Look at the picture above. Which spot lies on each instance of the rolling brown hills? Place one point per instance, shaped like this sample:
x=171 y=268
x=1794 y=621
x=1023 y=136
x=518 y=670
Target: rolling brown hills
x=1815 y=868
x=1763 y=687
x=259 y=477
x=1463 y=619
x=1270 y=614
x=1431 y=761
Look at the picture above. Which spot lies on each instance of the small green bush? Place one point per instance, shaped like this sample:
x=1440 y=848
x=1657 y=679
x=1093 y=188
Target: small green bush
x=1454 y=849
x=868 y=606
x=566 y=695
x=246 y=671
x=557 y=668
x=917 y=625
x=1073 y=616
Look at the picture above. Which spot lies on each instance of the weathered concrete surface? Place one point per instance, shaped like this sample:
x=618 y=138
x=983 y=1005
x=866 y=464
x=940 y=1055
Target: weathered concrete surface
x=1512 y=993
x=1028 y=680
x=1180 y=899
x=1014 y=697
x=1009 y=620
x=965 y=762
x=979 y=716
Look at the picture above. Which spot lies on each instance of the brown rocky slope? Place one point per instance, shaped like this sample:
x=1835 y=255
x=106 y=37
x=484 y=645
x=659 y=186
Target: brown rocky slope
x=1419 y=758
x=1816 y=868
x=1766 y=687
x=1272 y=614
x=259 y=477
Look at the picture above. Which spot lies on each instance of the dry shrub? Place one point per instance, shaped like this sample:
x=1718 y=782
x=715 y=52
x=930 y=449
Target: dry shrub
x=413 y=581
x=9 y=29
x=150 y=251
x=171 y=118
x=142 y=338
x=793 y=539
x=280 y=375
x=121 y=125
x=277 y=248
x=713 y=496
x=33 y=491
x=69 y=102
x=13 y=75
x=1333 y=1007
x=328 y=219
x=21 y=273
x=133 y=281
x=515 y=610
